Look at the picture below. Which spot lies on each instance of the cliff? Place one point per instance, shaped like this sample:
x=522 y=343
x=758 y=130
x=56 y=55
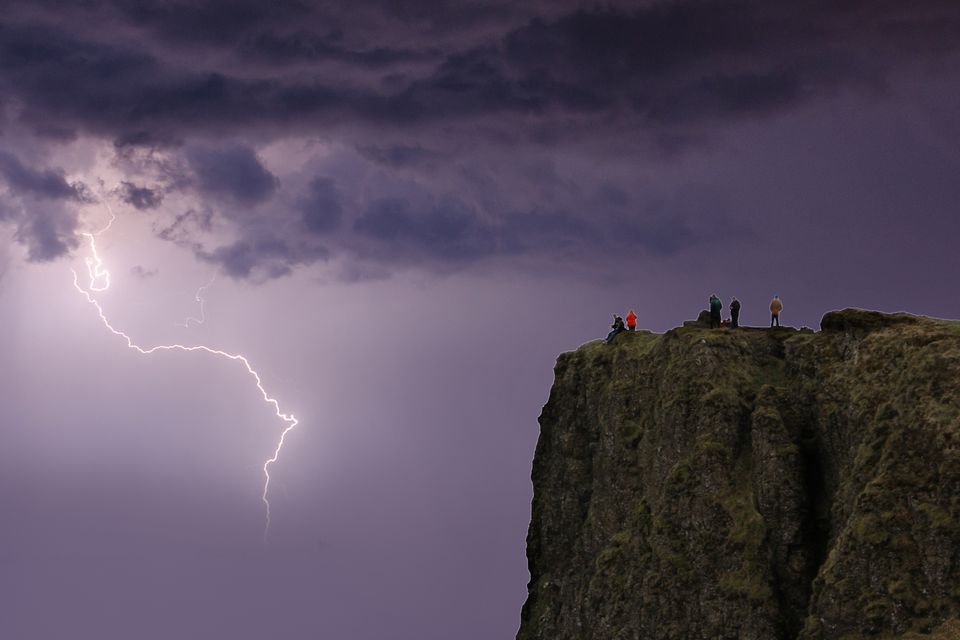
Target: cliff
x=751 y=484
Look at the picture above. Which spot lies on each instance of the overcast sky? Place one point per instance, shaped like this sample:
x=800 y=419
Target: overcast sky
x=406 y=210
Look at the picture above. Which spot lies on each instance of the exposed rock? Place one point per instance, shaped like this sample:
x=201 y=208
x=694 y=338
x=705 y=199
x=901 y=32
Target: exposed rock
x=751 y=484
x=703 y=320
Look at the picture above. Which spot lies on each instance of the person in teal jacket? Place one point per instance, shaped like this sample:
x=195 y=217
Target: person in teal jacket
x=716 y=307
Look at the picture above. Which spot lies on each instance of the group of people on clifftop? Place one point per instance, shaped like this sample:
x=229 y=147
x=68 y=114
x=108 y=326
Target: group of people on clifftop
x=716 y=316
x=716 y=310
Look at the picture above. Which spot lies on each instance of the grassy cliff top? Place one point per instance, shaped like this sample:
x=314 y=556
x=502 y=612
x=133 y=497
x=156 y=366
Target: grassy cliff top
x=856 y=322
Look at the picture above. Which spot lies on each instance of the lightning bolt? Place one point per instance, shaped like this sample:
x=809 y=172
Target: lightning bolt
x=199 y=298
x=100 y=281
x=94 y=264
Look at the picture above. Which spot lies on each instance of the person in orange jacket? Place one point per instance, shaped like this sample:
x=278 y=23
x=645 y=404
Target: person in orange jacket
x=775 y=308
x=631 y=321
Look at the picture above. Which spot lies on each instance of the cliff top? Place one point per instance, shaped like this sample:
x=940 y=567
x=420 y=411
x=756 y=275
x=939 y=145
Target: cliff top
x=855 y=322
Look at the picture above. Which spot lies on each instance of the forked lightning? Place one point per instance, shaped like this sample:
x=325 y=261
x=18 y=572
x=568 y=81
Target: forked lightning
x=99 y=278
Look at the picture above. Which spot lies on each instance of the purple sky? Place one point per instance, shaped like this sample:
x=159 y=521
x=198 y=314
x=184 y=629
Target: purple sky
x=410 y=209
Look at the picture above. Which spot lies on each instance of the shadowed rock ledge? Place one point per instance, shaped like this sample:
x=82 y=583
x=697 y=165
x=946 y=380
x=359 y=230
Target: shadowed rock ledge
x=751 y=484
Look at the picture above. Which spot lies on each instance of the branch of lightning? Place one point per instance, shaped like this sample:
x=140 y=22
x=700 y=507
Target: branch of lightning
x=198 y=296
x=99 y=280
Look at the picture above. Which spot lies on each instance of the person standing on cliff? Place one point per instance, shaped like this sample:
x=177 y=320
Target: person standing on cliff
x=716 y=307
x=631 y=321
x=775 y=308
x=734 y=312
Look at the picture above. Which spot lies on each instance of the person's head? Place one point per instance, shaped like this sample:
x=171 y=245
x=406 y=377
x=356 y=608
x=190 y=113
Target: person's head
x=776 y=297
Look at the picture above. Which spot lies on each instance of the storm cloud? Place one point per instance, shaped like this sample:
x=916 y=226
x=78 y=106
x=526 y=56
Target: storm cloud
x=37 y=203
x=415 y=99
x=321 y=208
x=47 y=231
x=139 y=197
x=233 y=172
x=210 y=64
x=40 y=183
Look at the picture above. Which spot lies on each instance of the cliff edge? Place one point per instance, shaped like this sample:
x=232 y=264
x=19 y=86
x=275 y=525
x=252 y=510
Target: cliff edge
x=751 y=484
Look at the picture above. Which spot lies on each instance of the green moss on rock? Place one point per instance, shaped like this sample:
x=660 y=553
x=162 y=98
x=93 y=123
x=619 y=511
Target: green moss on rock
x=751 y=484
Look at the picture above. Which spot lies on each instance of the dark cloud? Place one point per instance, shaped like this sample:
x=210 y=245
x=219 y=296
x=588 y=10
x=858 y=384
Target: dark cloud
x=301 y=46
x=141 y=198
x=670 y=63
x=233 y=172
x=398 y=155
x=67 y=81
x=263 y=258
x=679 y=63
x=208 y=21
x=448 y=231
x=553 y=232
x=237 y=260
x=52 y=131
x=38 y=208
x=413 y=88
x=39 y=183
x=184 y=226
x=128 y=140
x=321 y=208
x=738 y=96
x=610 y=194
x=454 y=234
x=6 y=211
x=607 y=45
x=47 y=231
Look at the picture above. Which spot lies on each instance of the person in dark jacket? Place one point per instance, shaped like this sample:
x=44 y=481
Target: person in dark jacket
x=617 y=328
x=734 y=312
x=716 y=307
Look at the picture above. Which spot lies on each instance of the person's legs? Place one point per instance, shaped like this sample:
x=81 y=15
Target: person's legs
x=773 y=318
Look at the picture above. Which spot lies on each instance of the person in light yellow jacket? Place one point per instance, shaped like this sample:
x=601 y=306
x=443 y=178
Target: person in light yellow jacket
x=775 y=308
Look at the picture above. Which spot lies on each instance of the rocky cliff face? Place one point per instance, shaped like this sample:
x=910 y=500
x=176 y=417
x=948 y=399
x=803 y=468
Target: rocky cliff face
x=751 y=484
